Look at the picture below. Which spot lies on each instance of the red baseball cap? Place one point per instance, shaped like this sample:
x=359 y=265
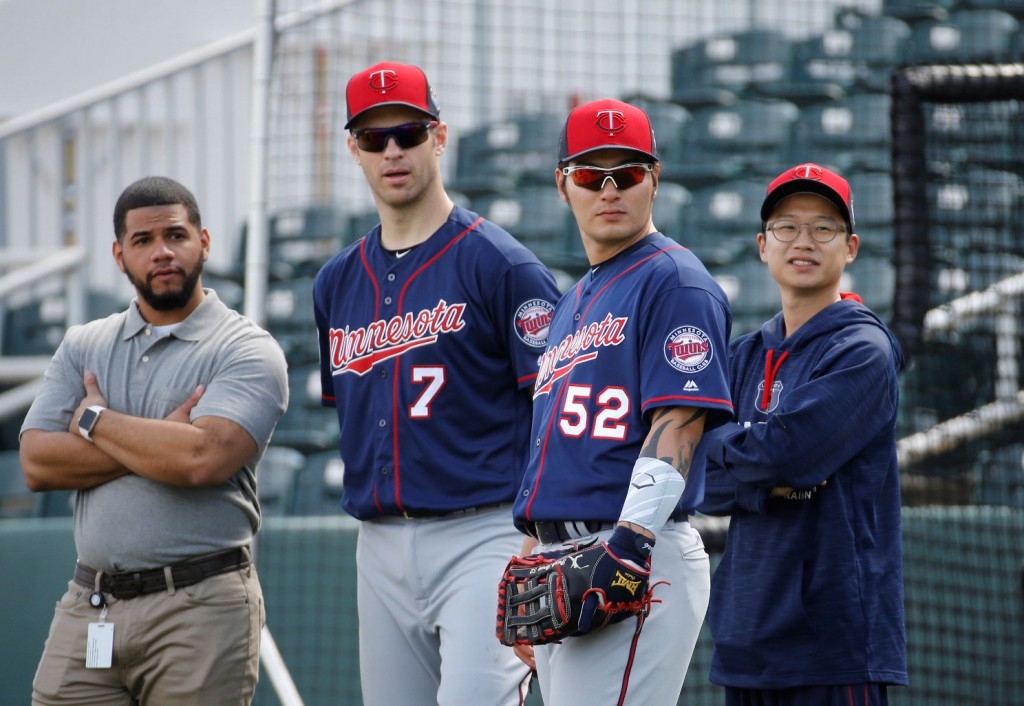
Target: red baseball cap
x=388 y=83
x=606 y=124
x=810 y=178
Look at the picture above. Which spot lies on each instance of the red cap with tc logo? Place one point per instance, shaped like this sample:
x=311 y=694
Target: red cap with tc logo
x=606 y=124
x=388 y=83
x=810 y=178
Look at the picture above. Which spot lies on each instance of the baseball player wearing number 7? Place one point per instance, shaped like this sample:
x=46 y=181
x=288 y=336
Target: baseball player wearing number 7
x=429 y=330
x=807 y=602
x=633 y=374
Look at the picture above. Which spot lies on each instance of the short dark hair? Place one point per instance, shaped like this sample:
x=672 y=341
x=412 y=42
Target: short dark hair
x=154 y=191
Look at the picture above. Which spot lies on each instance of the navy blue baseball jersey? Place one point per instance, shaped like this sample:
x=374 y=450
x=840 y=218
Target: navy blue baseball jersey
x=425 y=358
x=648 y=328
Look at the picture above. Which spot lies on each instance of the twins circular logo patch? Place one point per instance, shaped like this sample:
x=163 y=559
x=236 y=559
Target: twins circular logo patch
x=688 y=349
x=532 y=321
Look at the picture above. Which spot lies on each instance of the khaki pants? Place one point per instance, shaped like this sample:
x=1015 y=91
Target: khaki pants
x=194 y=646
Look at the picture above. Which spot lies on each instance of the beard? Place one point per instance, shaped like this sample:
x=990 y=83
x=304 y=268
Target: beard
x=171 y=300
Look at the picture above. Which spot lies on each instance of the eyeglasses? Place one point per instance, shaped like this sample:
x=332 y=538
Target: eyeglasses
x=623 y=176
x=375 y=139
x=821 y=231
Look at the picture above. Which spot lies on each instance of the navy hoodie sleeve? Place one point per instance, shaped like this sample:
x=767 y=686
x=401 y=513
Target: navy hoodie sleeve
x=822 y=423
x=723 y=493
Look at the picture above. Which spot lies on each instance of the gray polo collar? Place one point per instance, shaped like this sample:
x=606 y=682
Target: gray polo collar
x=192 y=328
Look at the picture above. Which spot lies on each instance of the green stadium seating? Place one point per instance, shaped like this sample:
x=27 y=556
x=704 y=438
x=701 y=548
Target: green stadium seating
x=856 y=55
x=849 y=135
x=913 y=11
x=301 y=239
x=752 y=137
x=723 y=69
x=15 y=498
x=537 y=217
x=507 y=154
x=722 y=221
x=306 y=426
x=319 y=488
x=277 y=478
x=873 y=209
x=967 y=36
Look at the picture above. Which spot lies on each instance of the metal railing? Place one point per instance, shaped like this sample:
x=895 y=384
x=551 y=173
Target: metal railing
x=1001 y=300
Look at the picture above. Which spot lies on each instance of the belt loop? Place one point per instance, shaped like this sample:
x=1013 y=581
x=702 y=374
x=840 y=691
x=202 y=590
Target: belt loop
x=169 y=578
x=96 y=580
x=247 y=559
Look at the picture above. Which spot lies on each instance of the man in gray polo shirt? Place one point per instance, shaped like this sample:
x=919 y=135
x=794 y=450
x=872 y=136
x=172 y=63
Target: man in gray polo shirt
x=158 y=417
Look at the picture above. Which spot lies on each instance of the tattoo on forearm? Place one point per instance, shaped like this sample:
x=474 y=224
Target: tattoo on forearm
x=684 y=454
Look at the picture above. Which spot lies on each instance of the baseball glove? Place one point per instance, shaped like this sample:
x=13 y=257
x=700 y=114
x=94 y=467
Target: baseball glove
x=547 y=597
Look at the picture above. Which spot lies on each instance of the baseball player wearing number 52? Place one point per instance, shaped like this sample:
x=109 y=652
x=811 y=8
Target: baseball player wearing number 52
x=429 y=328
x=634 y=372
x=807 y=602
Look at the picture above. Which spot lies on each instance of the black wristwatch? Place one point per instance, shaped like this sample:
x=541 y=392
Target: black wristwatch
x=88 y=420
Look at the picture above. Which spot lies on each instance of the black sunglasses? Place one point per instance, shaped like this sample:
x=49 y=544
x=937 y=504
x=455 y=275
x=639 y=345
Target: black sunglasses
x=375 y=139
x=593 y=178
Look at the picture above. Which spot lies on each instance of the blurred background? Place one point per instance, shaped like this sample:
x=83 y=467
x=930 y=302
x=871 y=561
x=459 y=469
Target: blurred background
x=917 y=103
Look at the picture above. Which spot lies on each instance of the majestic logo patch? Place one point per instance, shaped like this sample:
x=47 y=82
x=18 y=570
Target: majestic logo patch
x=776 y=393
x=688 y=349
x=532 y=321
x=384 y=80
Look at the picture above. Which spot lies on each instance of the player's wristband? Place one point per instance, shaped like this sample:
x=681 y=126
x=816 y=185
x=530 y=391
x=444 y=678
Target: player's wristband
x=654 y=490
x=627 y=544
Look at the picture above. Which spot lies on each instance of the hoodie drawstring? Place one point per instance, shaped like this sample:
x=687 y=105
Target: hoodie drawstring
x=770 y=371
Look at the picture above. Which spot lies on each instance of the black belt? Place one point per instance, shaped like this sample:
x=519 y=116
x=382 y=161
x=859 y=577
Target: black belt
x=554 y=532
x=433 y=514
x=187 y=573
x=566 y=531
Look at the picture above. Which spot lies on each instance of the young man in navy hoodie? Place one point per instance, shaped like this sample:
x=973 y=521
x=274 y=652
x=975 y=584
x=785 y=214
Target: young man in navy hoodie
x=807 y=603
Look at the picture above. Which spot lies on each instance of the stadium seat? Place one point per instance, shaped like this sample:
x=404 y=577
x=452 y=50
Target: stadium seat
x=857 y=55
x=913 y=11
x=961 y=135
x=670 y=207
x=977 y=196
x=1001 y=476
x=319 y=489
x=306 y=426
x=848 y=135
x=15 y=498
x=722 y=222
x=506 y=154
x=753 y=294
x=874 y=279
x=750 y=138
x=289 y=319
x=721 y=70
x=537 y=217
x=34 y=326
x=276 y=479
x=967 y=36
x=56 y=503
x=1014 y=7
x=300 y=241
x=873 y=211
x=669 y=122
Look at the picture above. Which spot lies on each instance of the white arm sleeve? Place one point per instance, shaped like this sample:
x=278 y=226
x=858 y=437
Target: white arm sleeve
x=654 y=490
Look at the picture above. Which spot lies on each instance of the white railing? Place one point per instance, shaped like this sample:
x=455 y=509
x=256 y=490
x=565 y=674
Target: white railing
x=1000 y=300
x=32 y=268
